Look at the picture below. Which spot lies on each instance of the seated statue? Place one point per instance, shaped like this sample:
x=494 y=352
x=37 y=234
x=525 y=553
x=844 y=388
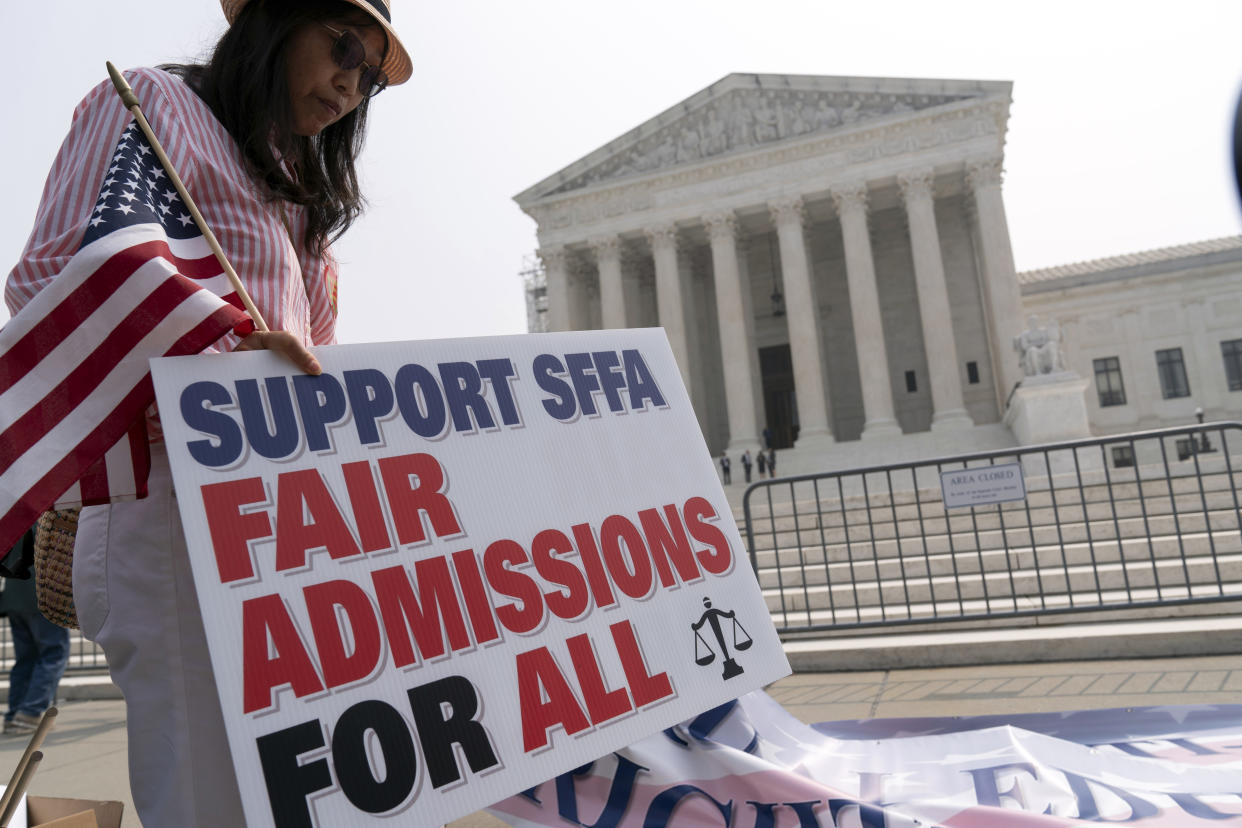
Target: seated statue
x=1039 y=348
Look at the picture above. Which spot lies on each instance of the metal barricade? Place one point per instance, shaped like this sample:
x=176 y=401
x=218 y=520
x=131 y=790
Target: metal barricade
x=84 y=656
x=1126 y=521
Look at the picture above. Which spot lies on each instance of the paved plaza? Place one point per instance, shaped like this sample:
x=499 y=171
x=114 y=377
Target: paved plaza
x=85 y=756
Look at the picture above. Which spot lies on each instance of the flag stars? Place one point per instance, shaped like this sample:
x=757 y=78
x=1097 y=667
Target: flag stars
x=140 y=192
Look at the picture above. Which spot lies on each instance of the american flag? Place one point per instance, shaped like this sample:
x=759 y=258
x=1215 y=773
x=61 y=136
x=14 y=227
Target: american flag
x=75 y=383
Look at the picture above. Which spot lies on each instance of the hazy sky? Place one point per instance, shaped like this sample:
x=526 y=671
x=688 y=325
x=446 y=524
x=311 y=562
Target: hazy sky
x=1118 y=138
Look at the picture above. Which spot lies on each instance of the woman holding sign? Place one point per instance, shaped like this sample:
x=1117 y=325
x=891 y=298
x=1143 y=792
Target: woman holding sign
x=265 y=136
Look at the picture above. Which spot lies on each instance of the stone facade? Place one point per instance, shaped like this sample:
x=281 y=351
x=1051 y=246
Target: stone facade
x=829 y=257
x=1184 y=300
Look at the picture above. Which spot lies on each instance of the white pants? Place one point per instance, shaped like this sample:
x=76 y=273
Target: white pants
x=135 y=596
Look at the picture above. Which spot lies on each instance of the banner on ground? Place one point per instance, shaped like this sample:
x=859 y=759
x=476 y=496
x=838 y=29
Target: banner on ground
x=442 y=572
x=750 y=764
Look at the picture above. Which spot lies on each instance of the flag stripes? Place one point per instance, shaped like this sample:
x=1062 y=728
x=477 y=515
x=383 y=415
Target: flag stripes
x=74 y=373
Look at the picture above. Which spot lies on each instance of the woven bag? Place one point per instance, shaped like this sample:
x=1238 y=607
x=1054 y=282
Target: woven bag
x=54 y=536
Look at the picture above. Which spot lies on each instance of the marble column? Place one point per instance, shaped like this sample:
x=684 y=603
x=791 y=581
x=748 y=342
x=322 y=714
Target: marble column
x=1000 y=279
x=948 y=405
x=556 y=274
x=737 y=332
x=692 y=276
x=607 y=250
x=638 y=277
x=877 y=393
x=669 y=302
x=583 y=296
x=802 y=311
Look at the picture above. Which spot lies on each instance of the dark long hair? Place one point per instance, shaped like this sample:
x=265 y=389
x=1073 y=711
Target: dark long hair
x=245 y=84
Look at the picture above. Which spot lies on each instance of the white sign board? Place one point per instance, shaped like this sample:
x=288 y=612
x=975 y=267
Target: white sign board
x=982 y=485
x=442 y=572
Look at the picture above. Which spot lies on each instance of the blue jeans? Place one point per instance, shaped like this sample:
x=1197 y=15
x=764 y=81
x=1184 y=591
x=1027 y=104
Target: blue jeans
x=42 y=650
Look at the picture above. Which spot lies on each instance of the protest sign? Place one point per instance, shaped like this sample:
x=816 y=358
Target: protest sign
x=443 y=572
x=750 y=764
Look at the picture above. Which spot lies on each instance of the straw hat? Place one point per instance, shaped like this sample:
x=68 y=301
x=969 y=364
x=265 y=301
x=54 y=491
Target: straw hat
x=396 y=63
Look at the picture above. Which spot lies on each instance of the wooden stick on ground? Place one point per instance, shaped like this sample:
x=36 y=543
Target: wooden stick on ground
x=15 y=787
x=25 y=767
x=20 y=788
x=131 y=103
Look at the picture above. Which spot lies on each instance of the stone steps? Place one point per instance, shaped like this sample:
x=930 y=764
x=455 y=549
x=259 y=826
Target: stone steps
x=942 y=558
x=1166 y=580
x=1152 y=481
x=869 y=570
x=870 y=564
x=1092 y=640
x=931 y=517
x=885 y=541
x=945 y=614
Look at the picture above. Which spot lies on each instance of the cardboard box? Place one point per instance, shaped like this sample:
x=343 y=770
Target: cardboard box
x=55 y=812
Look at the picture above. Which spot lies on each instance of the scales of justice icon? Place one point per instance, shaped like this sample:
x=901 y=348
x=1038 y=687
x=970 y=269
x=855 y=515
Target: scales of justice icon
x=703 y=652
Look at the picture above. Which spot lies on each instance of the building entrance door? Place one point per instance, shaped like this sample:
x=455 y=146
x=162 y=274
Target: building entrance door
x=780 y=402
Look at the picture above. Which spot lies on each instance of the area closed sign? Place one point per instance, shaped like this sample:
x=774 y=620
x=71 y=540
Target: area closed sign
x=982 y=485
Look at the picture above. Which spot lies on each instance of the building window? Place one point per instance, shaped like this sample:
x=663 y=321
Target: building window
x=912 y=384
x=1172 y=370
x=972 y=373
x=1108 y=382
x=1231 y=351
x=1123 y=457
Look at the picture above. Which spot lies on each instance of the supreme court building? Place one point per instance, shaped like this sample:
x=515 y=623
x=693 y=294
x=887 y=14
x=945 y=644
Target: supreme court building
x=831 y=261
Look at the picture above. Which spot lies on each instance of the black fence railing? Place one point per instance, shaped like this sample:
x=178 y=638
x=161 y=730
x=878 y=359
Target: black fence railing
x=84 y=656
x=1121 y=522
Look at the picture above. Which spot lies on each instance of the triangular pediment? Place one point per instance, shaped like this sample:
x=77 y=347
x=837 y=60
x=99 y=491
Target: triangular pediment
x=743 y=112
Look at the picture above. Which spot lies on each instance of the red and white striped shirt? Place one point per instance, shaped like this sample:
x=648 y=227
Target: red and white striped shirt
x=293 y=289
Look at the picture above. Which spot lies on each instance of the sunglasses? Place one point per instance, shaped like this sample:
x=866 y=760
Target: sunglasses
x=349 y=53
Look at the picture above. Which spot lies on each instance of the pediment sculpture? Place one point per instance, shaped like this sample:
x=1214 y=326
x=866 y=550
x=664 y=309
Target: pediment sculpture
x=746 y=118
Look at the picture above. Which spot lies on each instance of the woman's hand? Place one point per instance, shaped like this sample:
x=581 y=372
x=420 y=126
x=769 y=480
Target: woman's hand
x=284 y=343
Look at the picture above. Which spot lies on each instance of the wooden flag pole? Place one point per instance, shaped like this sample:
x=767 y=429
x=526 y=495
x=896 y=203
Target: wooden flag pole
x=131 y=103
